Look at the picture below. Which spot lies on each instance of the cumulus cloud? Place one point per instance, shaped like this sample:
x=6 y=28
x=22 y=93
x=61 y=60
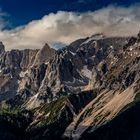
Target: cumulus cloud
x=65 y=27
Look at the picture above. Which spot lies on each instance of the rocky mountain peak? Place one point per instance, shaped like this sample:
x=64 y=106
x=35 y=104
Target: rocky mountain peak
x=46 y=47
x=44 y=54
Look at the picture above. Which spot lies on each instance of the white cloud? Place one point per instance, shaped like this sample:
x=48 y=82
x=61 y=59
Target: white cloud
x=2 y=22
x=66 y=27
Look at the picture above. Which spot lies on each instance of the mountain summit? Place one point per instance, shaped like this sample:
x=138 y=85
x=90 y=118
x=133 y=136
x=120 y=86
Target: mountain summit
x=44 y=54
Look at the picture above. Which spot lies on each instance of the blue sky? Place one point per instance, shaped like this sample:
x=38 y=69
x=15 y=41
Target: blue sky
x=21 y=12
x=32 y=23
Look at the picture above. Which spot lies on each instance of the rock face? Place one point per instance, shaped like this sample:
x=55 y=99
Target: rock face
x=74 y=91
x=44 y=55
x=70 y=69
x=14 y=66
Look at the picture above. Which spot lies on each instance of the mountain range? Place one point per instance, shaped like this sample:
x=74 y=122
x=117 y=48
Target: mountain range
x=87 y=90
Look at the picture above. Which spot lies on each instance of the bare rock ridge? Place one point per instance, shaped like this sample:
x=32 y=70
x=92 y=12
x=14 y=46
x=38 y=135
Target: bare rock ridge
x=73 y=92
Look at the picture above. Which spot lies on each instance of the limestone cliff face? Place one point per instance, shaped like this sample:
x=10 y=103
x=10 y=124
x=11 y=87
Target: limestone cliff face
x=28 y=58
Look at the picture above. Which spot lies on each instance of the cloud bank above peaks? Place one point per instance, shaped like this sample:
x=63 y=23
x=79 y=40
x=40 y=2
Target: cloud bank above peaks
x=65 y=27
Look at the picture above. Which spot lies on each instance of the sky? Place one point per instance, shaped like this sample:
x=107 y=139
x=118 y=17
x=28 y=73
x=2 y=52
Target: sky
x=32 y=23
